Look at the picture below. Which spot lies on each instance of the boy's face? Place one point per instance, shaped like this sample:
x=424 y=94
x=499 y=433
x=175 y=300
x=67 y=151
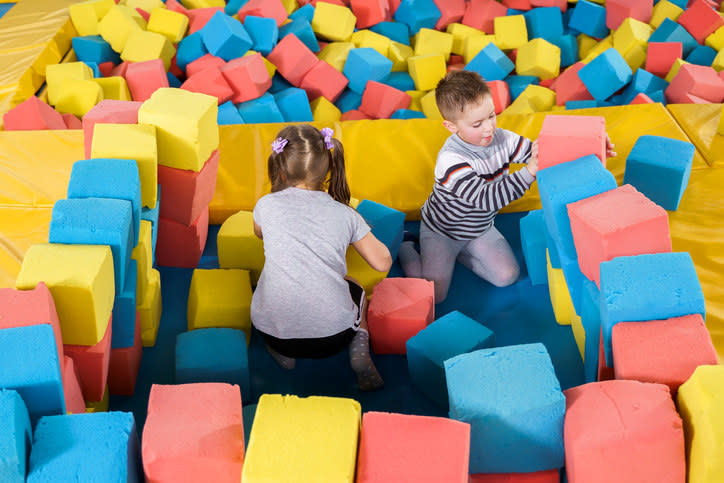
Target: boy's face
x=476 y=125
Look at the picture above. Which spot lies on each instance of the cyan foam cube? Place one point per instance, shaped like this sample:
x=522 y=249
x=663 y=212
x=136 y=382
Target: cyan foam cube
x=294 y=105
x=452 y=334
x=552 y=249
x=14 y=438
x=701 y=55
x=387 y=223
x=647 y=287
x=92 y=48
x=173 y=81
x=232 y=6
x=189 y=49
x=417 y=14
x=513 y=402
x=263 y=32
x=544 y=22
x=349 y=100
x=225 y=37
x=96 y=221
x=565 y=183
x=518 y=83
x=260 y=110
x=491 y=63
x=306 y=12
x=213 y=355
x=642 y=81
x=229 y=114
x=591 y=321
x=151 y=214
x=407 y=114
x=533 y=242
x=574 y=279
x=589 y=18
x=397 y=31
x=659 y=167
x=605 y=74
x=365 y=64
x=30 y=361
x=124 y=311
x=569 y=49
x=400 y=80
x=572 y=105
x=100 y=446
x=108 y=178
x=303 y=30
x=670 y=31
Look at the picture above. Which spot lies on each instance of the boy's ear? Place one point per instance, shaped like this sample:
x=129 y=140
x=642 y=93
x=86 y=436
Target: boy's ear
x=450 y=126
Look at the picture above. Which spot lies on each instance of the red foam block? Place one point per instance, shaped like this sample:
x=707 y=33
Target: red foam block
x=186 y=194
x=380 y=100
x=106 y=68
x=565 y=138
x=264 y=8
x=700 y=81
x=199 y=16
x=144 y=78
x=247 y=76
x=604 y=372
x=180 y=245
x=203 y=63
x=500 y=92
x=209 y=81
x=108 y=111
x=120 y=70
x=481 y=14
x=323 y=80
x=618 y=10
x=32 y=114
x=175 y=6
x=517 y=4
x=293 y=59
x=92 y=364
x=74 y=402
x=370 y=12
x=451 y=11
x=143 y=14
x=353 y=115
x=641 y=98
x=660 y=56
x=700 y=20
x=569 y=87
x=550 y=476
x=72 y=122
x=124 y=365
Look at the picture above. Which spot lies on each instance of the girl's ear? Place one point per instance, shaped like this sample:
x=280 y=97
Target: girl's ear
x=450 y=126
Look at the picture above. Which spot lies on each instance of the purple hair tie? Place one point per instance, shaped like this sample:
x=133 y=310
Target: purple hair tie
x=278 y=144
x=327 y=134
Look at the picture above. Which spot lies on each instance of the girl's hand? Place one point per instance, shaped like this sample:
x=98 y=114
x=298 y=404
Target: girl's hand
x=533 y=161
x=610 y=153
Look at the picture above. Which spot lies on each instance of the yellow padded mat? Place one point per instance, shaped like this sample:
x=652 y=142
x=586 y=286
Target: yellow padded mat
x=700 y=121
x=20 y=227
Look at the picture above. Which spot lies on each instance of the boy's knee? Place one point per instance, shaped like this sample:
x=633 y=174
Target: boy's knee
x=507 y=277
x=441 y=290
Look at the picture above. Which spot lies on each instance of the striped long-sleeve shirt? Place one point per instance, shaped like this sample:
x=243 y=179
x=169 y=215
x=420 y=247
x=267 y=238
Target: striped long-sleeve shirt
x=472 y=184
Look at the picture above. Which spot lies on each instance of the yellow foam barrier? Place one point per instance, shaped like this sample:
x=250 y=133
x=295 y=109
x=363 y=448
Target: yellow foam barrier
x=20 y=227
x=700 y=122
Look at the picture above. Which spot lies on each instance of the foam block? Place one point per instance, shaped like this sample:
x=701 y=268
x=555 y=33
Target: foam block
x=335 y=53
x=228 y=114
x=187 y=193
x=168 y=23
x=140 y=144
x=182 y=441
x=426 y=70
x=261 y=110
x=618 y=10
x=417 y=14
x=324 y=111
x=98 y=406
x=57 y=74
x=264 y=8
x=125 y=363
x=32 y=114
x=143 y=254
x=117 y=24
x=93 y=48
x=292 y=59
x=671 y=31
x=149 y=311
x=80 y=278
x=186 y=127
x=220 y=298
x=263 y=32
x=480 y=15
x=623 y=431
x=78 y=96
x=86 y=447
x=702 y=55
x=324 y=80
x=293 y=103
x=333 y=22
x=429 y=41
x=667 y=161
x=642 y=81
x=510 y=31
x=544 y=22
x=491 y=63
x=647 y=287
x=92 y=364
x=700 y=20
x=591 y=321
x=199 y=17
x=538 y=58
x=108 y=111
x=695 y=80
x=549 y=476
x=380 y=100
x=303 y=30
x=85 y=15
x=143 y=45
x=589 y=18
x=15 y=438
x=533 y=242
x=560 y=295
x=124 y=309
x=517 y=422
x=209 y=81
x=369 y=12
x=569 y=87
x=664 y=9
x=204 y=62
x=605 y=74
x=320 y=434
x=365 y=64
x=450 y=335
x=238 y=247
x=181 y=245
x=225 y=37
x=189 y=49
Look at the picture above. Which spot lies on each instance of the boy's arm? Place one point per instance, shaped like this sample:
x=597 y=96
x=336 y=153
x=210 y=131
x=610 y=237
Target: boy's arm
x=520 y=147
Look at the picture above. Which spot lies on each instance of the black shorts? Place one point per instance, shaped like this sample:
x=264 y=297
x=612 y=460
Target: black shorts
x=320 y=347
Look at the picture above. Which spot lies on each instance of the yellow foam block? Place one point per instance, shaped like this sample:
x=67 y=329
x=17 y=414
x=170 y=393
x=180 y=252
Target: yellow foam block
x=415 y=97
x=718 y=63
x=270 y=68
x=472 y=45
x=98 y=406
x=579 y=334
x=238 y=246
x=701 y=407
x=373 y=40
x=635 y=57
x=585 y=44
x=78 y=96
x=429 y=41
x=170 y=24
x=324 y=111
x=85 y=15
x=460 y=32
x=663 y=10
x=598 y=49
x=186 y=126
x=716 y=39
x=538 y=58
x=80 y=277
x=521 y=105
x=510 y=31
x=631 y=33
x=720 y=126
x=428 y=104
x=146 y=5
x=220 y=298
x=333 y=22
x=290 y=5
x=541 y=98
x=203 y=3
x=560 y=296
x=299 y=440
x=354 y=202
x=149 y=310
x=335 y=54
x=143 y=45
x=131 y=141
x=114 y=87
x=359 y=269
x=426 y=70
x=118 y=23
x=56 y=74
x=675 y=69
x=143 y=255
x=398 y=54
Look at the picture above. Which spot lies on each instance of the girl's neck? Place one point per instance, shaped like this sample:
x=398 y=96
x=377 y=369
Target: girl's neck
x=304 y=186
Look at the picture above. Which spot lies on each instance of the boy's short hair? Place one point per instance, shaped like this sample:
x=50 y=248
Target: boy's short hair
x=457 y=90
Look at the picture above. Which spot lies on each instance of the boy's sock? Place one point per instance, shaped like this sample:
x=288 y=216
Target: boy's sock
x=283 y=361
x=359 y=358
x=410 y=259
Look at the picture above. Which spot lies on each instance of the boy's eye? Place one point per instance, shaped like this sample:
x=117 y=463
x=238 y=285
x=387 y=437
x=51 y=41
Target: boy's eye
x=477 y=124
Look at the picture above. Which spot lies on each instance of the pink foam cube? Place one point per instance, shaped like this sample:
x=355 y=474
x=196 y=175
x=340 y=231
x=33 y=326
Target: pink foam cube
x=247 y=76
x=264 y=8
x=565 y=138
x=641 y=98
x=561 y=4
x=616 y=223
x=181 y=245
x=106 y=68
x=32 y=114
x=623 y=431
x=74 y=402
x=370 y=12
x=143 y=13
x=549 y=476
x=618 y=10
x=175 y=6
x=293 y=59
x=700 y=81
x=500 y=92
x=660 y=56
x=72 y=122
x=396 y=447
x=193 y=432
x=92 y=364
x=700 y=20
x=120 y=70
x=124 y=365
x=354 y=115
x=393 y=6
x=199 y=16
x=209 y=81
x=481 y=14
x=203 y=63
x=399 y=309
x=187 y=193
x=451 y=11
x=517 y=4
x=380 y=100
x=569 y=87
x=144 y=78
x=174 y=68
x=324 y=80
x=108 y=111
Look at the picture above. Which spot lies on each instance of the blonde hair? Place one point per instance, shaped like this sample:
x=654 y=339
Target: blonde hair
x=457 y=90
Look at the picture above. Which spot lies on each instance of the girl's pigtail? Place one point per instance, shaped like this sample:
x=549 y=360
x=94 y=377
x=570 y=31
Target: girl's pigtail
x=275 y=167
x=338 y=187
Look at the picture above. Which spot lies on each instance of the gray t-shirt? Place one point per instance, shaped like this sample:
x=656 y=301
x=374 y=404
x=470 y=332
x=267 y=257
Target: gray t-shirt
x=302 y=293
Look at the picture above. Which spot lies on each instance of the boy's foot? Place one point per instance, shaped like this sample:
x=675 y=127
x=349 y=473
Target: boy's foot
x=368 y=378
x=284 y=362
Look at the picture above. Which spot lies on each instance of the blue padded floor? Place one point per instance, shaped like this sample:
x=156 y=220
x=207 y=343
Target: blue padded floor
x=517 y=314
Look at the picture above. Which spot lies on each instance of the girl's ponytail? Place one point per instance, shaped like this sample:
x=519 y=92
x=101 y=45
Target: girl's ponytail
x=338 y=187
x=276 y=171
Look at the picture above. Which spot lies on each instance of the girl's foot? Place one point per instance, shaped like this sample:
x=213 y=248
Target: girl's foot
x=368 y=378
x=284 y=362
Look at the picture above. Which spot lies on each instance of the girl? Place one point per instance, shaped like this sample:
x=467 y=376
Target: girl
x=303 y=305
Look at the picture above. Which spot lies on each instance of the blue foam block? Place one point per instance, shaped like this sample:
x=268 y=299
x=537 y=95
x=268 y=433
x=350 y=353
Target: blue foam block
x=225 y=37
x=552 y=249
x=151 y=214
x=647 y=287
x=701 y=55
x=348 y=101
x=124 y=311
x=278 y=83
x=94 y=68
x=682 y=4
x=518 y=83
x=303 y=30
x=189 y=49
x=228 y=114
x=533 y=242
x=657 y=96
x=574 y=279
x=566 y=23
x=247 y=413
x=32 y=354
x=589 y=18
x=173 y=81
x=587 y=104
x=260 y=110
x=263 y=32
x=101 y=446
x=213 y=355
x=605 y=74
x=92 y=48
x=14 y=437
x=306 y=12
x=108 y=178
x=491 y=63
x=642 y=81
x=591 y=321
x=96 y=221
x=544 y=22
x=387 y=224
x=659 y=167
x=569 y=49
x=417 y=14
x=513 y=402
x=233 y=6
x=365 y=64
x=399 y=32
x=407 y=114
x=400 y=80
x=452 y=334
x=294 y=105
x=565 y=183
x=671 y=31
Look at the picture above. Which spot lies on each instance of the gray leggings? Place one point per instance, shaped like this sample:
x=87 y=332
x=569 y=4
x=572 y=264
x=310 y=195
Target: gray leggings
x=489 y=256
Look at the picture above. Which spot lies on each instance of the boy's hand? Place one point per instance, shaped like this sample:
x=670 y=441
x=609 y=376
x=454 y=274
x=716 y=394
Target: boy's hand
x=610 y=153
x=533 y=161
